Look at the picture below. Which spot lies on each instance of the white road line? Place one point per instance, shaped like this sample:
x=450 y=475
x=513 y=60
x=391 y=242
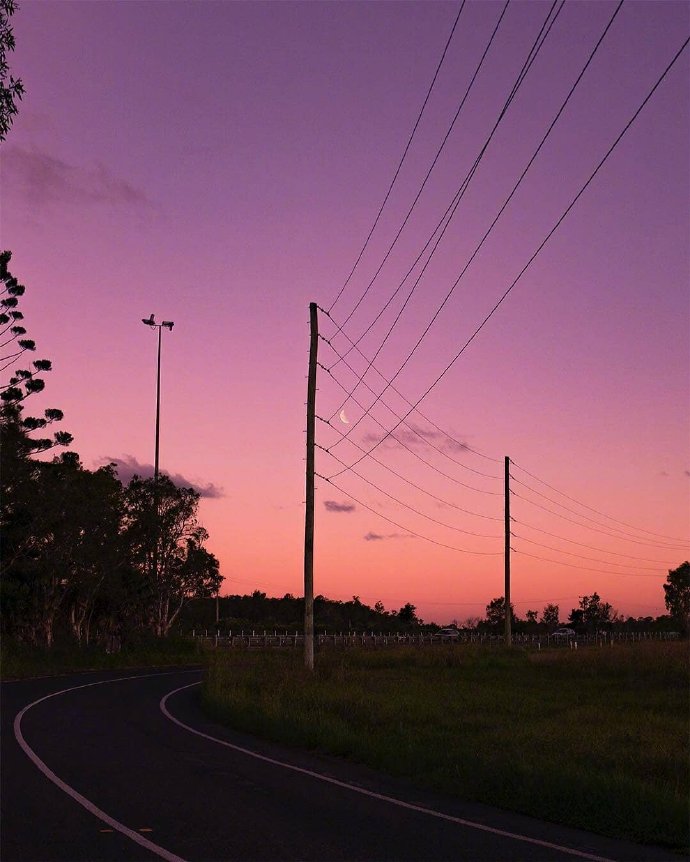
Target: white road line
x=381 y=797
x=70 y=791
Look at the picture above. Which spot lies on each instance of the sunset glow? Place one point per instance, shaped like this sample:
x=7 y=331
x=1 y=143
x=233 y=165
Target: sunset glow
x=221 y=165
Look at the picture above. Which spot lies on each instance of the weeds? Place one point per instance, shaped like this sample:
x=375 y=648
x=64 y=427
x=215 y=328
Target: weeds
x=596 y=738
x=22 y=662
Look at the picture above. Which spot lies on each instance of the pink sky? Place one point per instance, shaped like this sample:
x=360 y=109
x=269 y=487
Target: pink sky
x=220 y=165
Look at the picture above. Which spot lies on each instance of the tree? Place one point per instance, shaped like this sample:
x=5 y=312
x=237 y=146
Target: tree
x=184 y=569
x=550 y=616
x=592 y=614
x=408 y=614
x=496 y=613
x=677 y=595
x=31 y=590
x=18 y=444
x=11 y=89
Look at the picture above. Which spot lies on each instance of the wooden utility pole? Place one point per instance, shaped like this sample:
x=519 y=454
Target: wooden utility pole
x=509 y=636
x=309 y=512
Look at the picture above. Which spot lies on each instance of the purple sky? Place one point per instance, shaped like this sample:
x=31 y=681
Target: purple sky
x=220 y=164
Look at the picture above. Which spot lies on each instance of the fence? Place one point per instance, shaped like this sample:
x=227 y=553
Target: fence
x=265 y=639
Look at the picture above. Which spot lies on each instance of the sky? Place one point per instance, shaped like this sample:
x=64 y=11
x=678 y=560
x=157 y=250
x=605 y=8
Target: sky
x=221 y=164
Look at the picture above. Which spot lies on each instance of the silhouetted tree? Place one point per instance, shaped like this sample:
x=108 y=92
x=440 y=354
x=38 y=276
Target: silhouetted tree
x=11 y=89
x=18 y=444
x=592 y=614
x=677 y=595
x=496 y=613
x=408 y=615
x=550 y=616
x=184 y=569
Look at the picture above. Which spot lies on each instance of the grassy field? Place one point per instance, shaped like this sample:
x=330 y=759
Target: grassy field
x=594 y=738
x=22 y=662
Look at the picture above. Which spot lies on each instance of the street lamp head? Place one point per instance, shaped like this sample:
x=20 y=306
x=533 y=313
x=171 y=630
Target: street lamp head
x=148 y=321
x=168 y=323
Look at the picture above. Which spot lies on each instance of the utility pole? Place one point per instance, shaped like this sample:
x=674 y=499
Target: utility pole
x=509 y=636
x=309 y=512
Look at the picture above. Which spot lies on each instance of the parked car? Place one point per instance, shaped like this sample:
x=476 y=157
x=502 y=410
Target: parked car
x=563 y=633
x=449 y=634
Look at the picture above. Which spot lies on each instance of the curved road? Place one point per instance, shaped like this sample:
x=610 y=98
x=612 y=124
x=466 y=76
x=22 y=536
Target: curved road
x=124 y=766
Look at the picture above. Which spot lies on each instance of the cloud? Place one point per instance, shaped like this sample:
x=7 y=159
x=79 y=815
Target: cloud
x=417 y=436
x=43 y=179
x=128 y=466
x=379 y=537
x=332 y=506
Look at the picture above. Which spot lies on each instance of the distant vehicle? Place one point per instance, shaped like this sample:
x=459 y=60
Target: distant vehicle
x=563 y=633
x=449 y=634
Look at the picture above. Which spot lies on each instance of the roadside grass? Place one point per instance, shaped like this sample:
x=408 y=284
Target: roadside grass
x=18 y=661
x=595 y=738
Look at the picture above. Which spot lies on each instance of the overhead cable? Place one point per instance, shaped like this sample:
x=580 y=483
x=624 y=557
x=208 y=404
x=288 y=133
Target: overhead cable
x=508 y=290
x=490 y=228
x=406 y=529
x=596 y=511
x=412 y=508
x=584 y=545
x=612 y=529
x=620 y=536
x=409 y=426
x=451 y=210
x=428 y=174
x=583 y=557
x=400 y=164
x=585 y=568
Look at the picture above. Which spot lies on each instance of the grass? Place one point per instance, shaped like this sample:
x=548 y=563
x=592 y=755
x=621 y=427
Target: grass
x=23 y=662
x=596 y=739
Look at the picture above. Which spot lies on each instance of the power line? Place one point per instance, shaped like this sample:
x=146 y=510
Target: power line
x=544 y=241
x=408 y=449
x=400 y=164
x=397 y=416
x=453 y=208
x=619 y=536
x=582 y=556
x=450 y=437
x=596 y=511
x=493 y=223
x=585 y=568
x=406 y=529
x=428 y=174
x=420 y=488
x=584 y=545
x=613 y=530
x=411 y=508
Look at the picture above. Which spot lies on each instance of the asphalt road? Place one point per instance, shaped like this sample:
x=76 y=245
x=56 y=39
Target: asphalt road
x=105 y=774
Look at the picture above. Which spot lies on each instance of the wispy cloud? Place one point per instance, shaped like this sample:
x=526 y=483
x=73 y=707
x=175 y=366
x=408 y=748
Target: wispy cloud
x=380 y=537
x=417 y=436
x=41 y=179
x=333 y=506
x=128 y=466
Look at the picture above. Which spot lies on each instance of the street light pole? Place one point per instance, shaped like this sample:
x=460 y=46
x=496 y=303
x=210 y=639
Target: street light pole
x=158 y=408
x=168 y=324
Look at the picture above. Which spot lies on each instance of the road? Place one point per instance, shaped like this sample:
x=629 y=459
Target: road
x=124 y=767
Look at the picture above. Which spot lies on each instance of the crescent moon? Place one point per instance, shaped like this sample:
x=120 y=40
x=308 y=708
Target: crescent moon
x=343 y=418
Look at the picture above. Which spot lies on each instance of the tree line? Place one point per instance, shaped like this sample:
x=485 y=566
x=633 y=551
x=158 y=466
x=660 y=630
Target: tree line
x=258 y=611
x=84 y=557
